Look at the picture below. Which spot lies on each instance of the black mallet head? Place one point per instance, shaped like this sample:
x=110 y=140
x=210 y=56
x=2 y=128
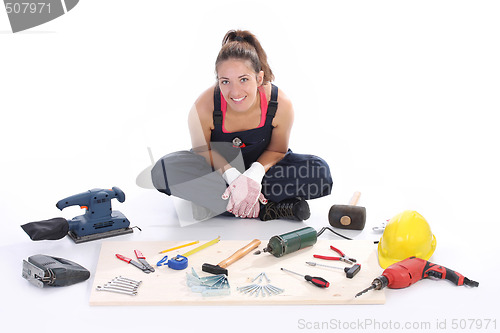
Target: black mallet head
x=347 y=217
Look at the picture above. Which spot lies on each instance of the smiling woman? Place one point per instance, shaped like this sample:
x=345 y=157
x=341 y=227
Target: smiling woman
x=240 y=163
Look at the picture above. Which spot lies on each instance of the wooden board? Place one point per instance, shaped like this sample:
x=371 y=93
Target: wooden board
x=168 y=287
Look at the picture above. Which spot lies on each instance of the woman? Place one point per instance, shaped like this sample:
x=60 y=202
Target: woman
x=240 y=162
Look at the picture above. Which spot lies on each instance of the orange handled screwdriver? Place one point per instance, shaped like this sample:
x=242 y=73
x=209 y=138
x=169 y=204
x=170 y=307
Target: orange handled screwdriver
x=317 y=281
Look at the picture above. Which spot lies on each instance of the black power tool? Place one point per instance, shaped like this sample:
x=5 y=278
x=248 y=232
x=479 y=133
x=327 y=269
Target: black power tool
x=42 y=270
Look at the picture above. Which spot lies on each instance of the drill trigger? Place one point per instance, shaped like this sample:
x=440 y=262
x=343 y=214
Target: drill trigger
x=435 y=274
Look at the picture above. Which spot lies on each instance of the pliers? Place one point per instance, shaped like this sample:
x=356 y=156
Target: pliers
x=143 y=265
x=342 y=257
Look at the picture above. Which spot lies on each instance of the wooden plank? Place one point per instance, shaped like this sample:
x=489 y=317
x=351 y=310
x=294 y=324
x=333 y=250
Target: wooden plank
x=168 y=287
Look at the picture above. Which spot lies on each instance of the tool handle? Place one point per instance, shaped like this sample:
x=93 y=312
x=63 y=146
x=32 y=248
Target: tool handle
x=317 y=256
x=355 y=198
x=337 y=250
x=317 y=281
x=139 y=254
x=441 y=272
x=127 y=260
x=240 y=253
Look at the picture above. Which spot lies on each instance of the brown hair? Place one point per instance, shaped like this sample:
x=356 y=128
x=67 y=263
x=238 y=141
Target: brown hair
x=242 y=44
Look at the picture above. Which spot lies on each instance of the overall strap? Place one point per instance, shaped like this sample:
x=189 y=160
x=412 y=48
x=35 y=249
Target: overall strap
x=272 y=106
x=217 y=108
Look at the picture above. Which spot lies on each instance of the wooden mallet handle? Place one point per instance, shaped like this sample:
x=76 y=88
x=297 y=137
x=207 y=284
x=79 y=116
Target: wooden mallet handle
x=355 y=199
x=240 y=253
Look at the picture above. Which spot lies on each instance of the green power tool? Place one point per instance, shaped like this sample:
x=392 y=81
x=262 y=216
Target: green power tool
x=280 y=245
x=292 y=241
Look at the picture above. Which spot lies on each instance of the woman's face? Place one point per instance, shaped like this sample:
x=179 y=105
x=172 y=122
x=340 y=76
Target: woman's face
x=238 y=83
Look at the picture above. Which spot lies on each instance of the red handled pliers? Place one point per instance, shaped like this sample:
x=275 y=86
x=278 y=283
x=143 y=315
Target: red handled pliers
x=143 y=265
x=342 y=257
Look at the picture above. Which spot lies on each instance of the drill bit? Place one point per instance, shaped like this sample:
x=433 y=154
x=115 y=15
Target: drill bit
x=377 y=284
x=365 y=290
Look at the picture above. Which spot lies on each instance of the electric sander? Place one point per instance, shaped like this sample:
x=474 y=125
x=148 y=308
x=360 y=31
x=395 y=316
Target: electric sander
x=99 y=220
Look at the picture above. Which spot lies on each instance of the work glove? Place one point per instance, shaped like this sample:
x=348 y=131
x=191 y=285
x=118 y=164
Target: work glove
x=230 y=175
x=256 y=209
x=244 y=191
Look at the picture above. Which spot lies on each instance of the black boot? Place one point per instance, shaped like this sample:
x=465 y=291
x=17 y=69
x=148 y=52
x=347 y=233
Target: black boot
x=296 y=209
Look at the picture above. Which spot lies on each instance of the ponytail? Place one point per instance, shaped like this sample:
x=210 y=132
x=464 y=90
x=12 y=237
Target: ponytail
x=242 y=44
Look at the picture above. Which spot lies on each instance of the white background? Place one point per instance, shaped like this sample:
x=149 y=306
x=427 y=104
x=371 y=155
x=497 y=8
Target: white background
x=398 y=96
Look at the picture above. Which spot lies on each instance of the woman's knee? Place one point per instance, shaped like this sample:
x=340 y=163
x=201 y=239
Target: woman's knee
x=177 y=167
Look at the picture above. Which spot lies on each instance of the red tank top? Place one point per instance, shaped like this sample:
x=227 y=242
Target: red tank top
x=263 y=109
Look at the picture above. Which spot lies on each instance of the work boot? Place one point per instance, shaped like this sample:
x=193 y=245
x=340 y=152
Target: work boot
x=296 y=209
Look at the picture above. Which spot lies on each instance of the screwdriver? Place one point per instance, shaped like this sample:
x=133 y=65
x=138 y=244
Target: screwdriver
x=317 y=281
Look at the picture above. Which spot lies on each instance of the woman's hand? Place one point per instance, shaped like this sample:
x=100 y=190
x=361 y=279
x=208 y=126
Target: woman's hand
x=243 y=195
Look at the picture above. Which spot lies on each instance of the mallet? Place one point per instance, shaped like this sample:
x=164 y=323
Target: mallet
x=220 y=268
x=348 y=216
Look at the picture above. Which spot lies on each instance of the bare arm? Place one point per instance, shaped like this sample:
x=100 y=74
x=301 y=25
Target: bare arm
x=200 y=122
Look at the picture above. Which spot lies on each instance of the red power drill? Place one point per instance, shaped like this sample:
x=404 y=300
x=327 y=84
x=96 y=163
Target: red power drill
x=406 y=272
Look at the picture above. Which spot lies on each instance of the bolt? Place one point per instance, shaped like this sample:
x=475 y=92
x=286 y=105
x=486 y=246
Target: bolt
x=258 y=276
x=256 y=290
x=245 y=287
x=278 y=290
x=251 y=289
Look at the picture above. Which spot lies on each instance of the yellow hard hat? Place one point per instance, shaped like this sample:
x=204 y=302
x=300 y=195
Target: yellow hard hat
x=407 y=234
